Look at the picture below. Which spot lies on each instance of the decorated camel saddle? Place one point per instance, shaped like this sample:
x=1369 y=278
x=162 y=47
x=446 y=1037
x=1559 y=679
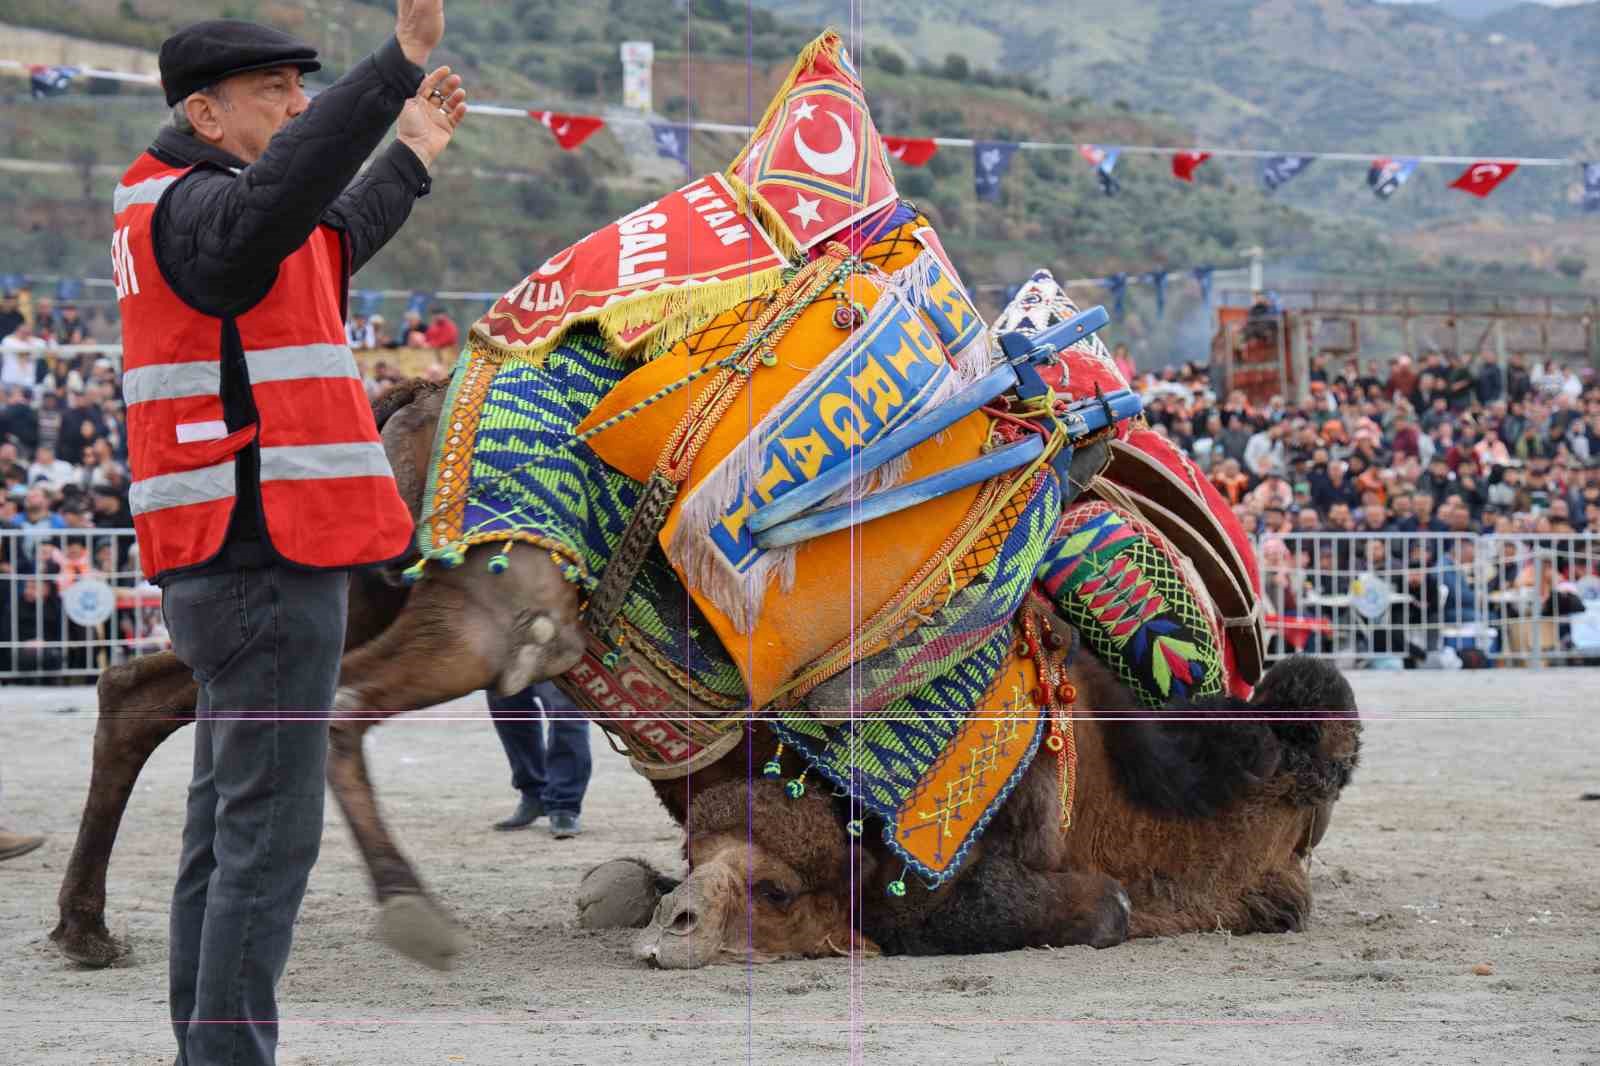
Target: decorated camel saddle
x=762 y=425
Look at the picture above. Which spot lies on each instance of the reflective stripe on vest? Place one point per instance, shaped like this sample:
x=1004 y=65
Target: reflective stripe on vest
x=206 y=485
x=143 y=192
x=172 y=381
x=308 y=461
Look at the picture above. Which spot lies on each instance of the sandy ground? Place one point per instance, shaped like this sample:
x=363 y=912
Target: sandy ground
x=1461 y=842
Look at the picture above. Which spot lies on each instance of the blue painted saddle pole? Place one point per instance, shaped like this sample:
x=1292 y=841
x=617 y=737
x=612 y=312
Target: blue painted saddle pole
x=1022 y=353
x=1018 y=453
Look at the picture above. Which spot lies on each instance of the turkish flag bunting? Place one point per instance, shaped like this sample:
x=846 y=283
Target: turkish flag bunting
x=1184 y=164
x=1480 y=179
x=912 y=151
x=570 y=130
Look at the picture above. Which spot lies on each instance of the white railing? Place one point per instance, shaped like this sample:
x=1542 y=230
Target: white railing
x=72 y=602
x=1435 y=599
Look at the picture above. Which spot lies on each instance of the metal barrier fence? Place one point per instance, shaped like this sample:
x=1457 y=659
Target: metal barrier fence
x=1433 y=599
x=73 y=603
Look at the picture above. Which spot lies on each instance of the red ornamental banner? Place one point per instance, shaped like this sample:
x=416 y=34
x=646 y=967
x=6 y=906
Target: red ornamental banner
x=1184 y=164
x=1481 y=179
x=692 y=252
x=570 y=130
x=912 y=151
x=816 y=163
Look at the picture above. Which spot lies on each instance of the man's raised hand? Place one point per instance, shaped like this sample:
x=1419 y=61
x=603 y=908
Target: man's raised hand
x=430 y=118
x=419 y=27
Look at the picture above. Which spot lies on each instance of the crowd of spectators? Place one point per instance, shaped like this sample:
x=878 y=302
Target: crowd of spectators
x=64 y=461
x=368 y=332
x=1444 y=444
x=1448 y=444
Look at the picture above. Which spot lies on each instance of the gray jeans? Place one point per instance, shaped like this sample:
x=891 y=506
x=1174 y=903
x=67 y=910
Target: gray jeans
x=265 y=647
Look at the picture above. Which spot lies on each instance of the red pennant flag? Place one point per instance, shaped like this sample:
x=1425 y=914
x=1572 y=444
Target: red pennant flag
x=1184 y=164
x=912 y=151
x=570 y=130
x=1480 y=179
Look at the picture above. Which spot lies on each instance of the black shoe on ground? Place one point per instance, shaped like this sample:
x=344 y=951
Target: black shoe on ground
x=528 y=812
x=564 y=824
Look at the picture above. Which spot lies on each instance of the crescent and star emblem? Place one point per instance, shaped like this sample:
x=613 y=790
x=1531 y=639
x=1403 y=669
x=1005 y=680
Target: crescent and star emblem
x=829 y=164
x=1485 y=172
x=558 y=264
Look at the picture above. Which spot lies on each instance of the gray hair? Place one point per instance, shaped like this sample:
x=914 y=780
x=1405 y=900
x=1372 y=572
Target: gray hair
x=180 y=114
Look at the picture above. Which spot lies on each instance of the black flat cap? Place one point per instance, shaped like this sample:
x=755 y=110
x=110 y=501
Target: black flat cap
x=206 y=52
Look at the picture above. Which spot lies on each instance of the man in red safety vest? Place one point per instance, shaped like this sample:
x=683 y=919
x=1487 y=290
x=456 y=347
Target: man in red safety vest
x=259 y=478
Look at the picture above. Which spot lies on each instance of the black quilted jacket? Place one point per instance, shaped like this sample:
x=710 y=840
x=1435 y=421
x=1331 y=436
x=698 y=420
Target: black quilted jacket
x=223 y=230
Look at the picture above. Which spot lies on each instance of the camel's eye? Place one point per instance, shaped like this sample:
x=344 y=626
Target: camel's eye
x=770 y=892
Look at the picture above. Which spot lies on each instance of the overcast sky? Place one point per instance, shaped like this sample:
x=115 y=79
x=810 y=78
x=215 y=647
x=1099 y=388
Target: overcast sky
x=1546 y=3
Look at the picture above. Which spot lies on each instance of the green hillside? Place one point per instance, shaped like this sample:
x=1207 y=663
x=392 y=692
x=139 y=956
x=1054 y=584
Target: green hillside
x=480 y=230
x=1318 y=75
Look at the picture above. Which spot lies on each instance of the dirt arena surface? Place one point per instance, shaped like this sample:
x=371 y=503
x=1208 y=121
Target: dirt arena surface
x=1461 y=844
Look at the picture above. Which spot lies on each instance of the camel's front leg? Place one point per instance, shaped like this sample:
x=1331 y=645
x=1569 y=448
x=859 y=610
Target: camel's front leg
x=461 y=631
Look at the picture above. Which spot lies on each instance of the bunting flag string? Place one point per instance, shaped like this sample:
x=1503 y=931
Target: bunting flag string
x=1481 y=178
x=569 y=130
x=1386 y=173
x=1103 y=159
x=912 y=151
x=990 y=161
x=1184 y=164
x=50 y=81
x=672 y=140
x=1117 y=286
x=1279 y=170
x=1158 y=280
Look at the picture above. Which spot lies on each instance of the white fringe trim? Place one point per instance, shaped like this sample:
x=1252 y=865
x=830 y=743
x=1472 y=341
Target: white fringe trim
x=914 y=281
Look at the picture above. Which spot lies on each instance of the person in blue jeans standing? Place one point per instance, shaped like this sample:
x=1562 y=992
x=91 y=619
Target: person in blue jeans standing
x=553 y=777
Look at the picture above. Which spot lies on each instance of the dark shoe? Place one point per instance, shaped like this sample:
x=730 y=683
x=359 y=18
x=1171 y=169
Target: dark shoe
x=528 y=812
x=13 y=845
x=564 y=825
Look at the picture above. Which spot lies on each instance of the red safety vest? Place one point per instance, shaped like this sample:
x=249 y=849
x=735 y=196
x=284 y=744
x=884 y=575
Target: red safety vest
x=328 y=497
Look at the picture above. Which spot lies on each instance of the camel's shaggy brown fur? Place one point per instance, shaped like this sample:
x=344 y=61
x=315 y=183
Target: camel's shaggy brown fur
x=1179 y=826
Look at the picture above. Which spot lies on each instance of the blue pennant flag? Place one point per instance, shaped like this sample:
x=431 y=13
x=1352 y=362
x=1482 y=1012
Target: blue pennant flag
x=50 y=81
x=1281 y=169
x=1203 y=276
x=368 y=301
x=1591 y=186
x=1117 y=285
x=672 y=141
x=69 y=289
x=10 y=283
x=419 y=302
x=1387 y=175
x=990 y=161
x=1158 y=280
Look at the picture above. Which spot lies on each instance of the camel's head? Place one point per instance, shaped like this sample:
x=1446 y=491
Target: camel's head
x=769 y=879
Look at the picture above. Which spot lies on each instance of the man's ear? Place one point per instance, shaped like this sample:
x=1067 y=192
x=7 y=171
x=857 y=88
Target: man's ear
x=203 y=116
